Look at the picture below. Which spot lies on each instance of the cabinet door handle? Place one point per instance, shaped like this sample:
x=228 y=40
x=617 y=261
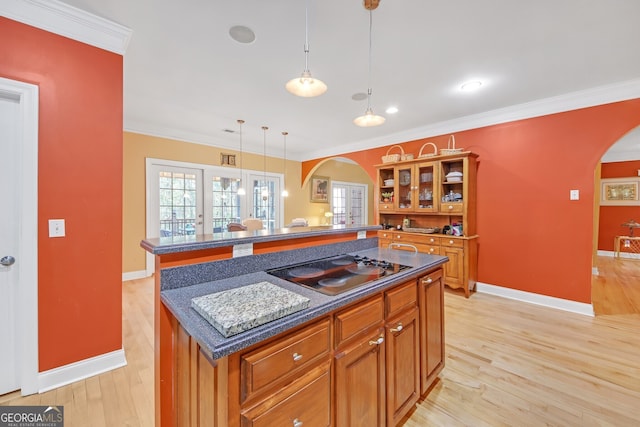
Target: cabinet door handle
x=427 y=281
x=297 y=423
x=296 y=357
x=397 y=328
x=379 y=341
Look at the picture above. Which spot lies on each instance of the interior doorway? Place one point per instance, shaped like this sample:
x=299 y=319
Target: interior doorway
x=18 y=237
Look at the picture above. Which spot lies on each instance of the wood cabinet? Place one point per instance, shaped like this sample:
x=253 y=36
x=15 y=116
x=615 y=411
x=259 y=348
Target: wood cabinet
x=365 y=364
x=402 y=352
x=431 y=194
x=431 y=301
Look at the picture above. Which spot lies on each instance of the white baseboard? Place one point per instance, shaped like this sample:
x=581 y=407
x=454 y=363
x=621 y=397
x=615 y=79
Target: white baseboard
x=627 y=255
x=133 y=275
x=77 y=371
x=544 y=300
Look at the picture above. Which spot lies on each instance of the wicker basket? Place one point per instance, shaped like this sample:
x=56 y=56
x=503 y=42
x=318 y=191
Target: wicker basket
x=451 y=147
x=407 y=156
x=435 y=150
x=392 y=158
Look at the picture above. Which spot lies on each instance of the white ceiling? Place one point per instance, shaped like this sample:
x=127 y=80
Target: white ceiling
x=185 y=78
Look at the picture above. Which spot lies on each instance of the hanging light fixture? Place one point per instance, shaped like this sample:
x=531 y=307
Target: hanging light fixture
x=369 y=118
x=284 y=193
x=305 y=85
x=265 y=189
x=241 y=191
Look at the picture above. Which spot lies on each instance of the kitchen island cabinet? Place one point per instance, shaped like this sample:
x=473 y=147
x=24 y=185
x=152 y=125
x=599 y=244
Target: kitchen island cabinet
x=267 y=375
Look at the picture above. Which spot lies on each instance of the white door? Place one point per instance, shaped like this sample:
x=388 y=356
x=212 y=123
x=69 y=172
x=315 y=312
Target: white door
x=9 y=220
x=349 y=203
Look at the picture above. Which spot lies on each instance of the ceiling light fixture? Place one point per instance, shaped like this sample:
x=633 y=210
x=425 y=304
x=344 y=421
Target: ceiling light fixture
x=471 y=86
x=369 y=118
x=305 y=85
x=241 y=191
x=284 y=193
x=265 y=188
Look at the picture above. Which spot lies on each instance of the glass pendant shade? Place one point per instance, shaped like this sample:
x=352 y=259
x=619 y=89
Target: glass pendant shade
x=284 y=193
x=369 y=119
x=241 y=191
x=306 y=86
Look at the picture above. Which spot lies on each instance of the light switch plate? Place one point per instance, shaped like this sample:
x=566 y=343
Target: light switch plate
x=574 y=194
x=362 y=234
x=56 y=228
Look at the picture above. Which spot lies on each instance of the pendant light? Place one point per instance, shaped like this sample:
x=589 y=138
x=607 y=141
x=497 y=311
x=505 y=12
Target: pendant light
x=265 y=189
x=241 y=191
x=284 y=193
x=369 y=118
x=305 y=85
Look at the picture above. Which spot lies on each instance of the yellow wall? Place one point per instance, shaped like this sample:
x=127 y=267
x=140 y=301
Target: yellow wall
x=138 y=147
x=337 y=171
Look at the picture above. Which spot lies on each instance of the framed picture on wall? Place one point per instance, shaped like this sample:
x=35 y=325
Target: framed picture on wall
x=227 y=159
x=619 y=191
x=319 y=189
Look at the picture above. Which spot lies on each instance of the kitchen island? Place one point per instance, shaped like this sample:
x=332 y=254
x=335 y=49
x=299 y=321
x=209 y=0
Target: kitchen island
x=367 y=353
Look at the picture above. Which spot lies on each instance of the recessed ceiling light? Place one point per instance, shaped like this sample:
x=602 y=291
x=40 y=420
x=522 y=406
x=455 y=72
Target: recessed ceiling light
x=471 y=85
x=359 y=96
x=391 y=110
x=242 y=34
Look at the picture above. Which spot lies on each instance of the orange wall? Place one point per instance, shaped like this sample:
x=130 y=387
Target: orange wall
x=532 y=237
x=611 y=217
x=80 y=180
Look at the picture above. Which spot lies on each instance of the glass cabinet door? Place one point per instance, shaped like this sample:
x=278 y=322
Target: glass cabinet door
x=452 y=194
x=404 y=188
x=427 y=190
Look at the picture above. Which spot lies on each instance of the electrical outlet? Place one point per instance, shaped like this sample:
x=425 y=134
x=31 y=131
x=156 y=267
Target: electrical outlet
x=56 y=228
x=574 y=194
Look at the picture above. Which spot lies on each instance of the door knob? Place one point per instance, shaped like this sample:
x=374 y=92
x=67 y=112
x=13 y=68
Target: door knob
x=7 y=260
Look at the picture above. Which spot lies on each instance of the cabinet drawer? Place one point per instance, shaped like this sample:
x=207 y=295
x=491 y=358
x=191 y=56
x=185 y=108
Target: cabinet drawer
x=427 y=239
x=285 y=357
x=385 y=234
x=451 y=207
x=400 y=298
x=358 y=318
x=310 y=406
x=451 y=243
x=386 y=206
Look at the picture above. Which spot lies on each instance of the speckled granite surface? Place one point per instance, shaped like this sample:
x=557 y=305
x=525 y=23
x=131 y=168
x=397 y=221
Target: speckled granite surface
x=178 y=300
x=237 y=310
x=177 y=244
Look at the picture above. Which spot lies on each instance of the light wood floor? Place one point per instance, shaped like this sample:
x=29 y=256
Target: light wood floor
x=508 y=363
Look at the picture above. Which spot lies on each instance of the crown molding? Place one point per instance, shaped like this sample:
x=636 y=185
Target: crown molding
x=68 y=21
x=600 y=95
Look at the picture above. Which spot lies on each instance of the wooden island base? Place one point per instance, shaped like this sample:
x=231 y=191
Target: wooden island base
x=364 y=364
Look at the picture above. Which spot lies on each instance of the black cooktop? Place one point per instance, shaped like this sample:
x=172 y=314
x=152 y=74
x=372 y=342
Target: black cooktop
x=337 y=274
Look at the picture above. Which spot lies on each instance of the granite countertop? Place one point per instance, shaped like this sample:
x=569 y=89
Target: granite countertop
x=178 y=301
x=176 y=244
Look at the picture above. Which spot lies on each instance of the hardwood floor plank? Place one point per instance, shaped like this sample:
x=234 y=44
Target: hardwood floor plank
x=508 y=363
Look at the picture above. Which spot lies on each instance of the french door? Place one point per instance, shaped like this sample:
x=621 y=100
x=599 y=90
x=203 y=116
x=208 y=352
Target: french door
x=349 y=203
x=187 y=199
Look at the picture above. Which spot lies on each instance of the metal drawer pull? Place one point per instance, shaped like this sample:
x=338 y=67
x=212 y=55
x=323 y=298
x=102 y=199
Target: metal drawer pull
x=297 y=423
x=379 y=341
x=450 y=207
x=451 y=242
x=403 y=244
x=297 y=357
x=397 y=328
x=427 y=281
